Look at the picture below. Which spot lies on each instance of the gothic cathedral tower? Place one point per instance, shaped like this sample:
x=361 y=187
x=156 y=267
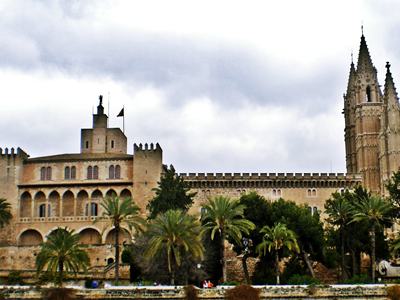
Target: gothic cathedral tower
x=372 y=123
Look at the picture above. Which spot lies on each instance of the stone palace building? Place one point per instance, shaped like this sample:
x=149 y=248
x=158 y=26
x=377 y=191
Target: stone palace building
x=66 y=189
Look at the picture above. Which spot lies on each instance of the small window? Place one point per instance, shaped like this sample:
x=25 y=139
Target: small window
x=111 y=172
x=43 y=173
x=309 y=193
x=314 y=192
x=315 y=210
x=87 y=144
x=67 y=173
x=90 y=172
x=368 y=94
x=49 y=210
x=48 y=173
x=42 y=210
x=95 y=172
x=93 y=209
x=117 y=172
x=73 y=172
x=112 y=144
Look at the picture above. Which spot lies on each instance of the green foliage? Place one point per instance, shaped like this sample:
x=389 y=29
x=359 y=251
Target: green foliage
x=393 y=187
x=224 y=216
x=357 y=279
x=5 y=212
x=172 y=193
x=129 y=256
x=118 y=213
x=177 y=233
x=62 y=253
x=308 y=229
x=302 y=279
x=15 y=277
x=242 y=292
x=212 y=257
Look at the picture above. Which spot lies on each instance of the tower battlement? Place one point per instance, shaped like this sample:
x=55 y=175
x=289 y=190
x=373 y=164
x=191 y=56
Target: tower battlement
x=146 y=147
x=10 y=153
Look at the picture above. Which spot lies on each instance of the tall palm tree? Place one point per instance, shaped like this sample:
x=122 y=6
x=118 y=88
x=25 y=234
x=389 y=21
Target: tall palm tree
x=225 y=216
x=376 y=211
x=61 y=253
x=340 y=213
x=277 y=238
x=5 y=212
x=121 y=212
x=176 y=233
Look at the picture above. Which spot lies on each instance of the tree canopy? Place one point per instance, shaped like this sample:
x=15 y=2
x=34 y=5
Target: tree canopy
x=172 y=193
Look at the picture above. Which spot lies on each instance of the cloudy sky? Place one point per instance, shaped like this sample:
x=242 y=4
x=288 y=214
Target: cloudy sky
x=223 y=86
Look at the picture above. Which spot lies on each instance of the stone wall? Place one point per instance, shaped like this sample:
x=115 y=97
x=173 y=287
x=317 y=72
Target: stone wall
x=348 y=292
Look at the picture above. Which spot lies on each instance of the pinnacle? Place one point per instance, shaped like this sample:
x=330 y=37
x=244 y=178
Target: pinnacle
x=364 y=59
x=390 y=89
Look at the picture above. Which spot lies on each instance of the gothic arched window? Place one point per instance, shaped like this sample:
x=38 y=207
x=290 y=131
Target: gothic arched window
x=48 y=173
x=95 y=172
x=43 y=173
x=90 y=172
x=42 y=210
x=67 y=173
x=368 y=94
x=117 y=172
x=73 y=172
x=111 y=172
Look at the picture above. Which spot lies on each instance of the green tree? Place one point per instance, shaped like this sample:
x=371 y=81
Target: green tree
x=5 y=212
x=340 y=213
x=172 y=193
x=62 y=253
x=119 y=212
x=377 y=212
x=277 y=238
x=393 y=187
x=225 y=216
x=176 y=233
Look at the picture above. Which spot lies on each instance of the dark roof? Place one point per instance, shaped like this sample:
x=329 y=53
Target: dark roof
x=80 y=156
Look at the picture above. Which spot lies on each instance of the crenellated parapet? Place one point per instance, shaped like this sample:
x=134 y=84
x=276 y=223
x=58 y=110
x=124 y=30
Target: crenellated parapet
x=271 y=180
x=146 y=147
x=11 y=154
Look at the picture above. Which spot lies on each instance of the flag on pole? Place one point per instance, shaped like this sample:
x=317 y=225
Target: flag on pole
x=121 y=113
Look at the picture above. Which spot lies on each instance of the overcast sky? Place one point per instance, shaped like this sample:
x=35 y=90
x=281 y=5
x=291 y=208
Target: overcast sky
x=223 y=86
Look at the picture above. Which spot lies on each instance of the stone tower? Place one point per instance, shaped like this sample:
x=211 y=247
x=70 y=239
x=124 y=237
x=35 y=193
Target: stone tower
x=372 y=122
x=100 y=138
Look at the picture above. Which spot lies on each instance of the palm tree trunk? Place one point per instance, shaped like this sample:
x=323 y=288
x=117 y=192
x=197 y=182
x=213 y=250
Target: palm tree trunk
x=222 y=249
x=245 y=269
x=373 y=254
x=60 y=273
x=308 y=263
x=117 y=229
x=277 y=267
x=342 y=262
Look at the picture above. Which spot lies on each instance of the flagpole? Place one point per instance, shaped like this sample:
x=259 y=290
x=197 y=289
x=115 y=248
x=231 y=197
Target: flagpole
x=123 y=120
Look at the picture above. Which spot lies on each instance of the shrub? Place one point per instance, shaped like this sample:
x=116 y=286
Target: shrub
x=15 y=277
x=242 y=292
x=302 y=279
x=191 y=293
x=362 y=278
x=59 y=294
x=393 y=292
x=235 y=283
x=88 y=283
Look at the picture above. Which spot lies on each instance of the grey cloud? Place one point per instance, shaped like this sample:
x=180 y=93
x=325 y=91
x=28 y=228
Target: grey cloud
x=182 y=67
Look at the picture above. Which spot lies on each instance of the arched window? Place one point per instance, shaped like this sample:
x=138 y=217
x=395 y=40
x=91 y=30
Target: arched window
x=93 y=209
x=43 y=173
x=309 y=192
x=42 y=210
x=67 y=173
x=89 y=172
x=314 y=192
x=315 y=210
x=73 y=172
x=48 y=173
x=111 y=172
x=368 y=94
x=95 y=172
x=117 y=172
